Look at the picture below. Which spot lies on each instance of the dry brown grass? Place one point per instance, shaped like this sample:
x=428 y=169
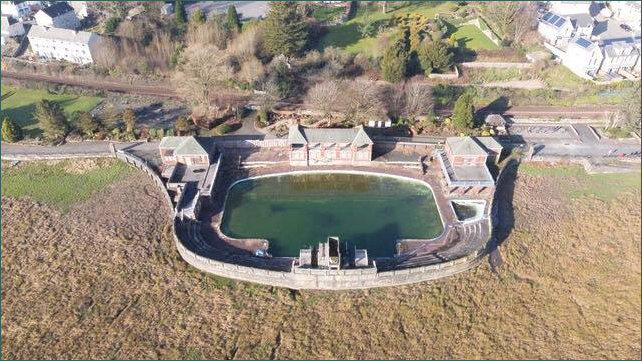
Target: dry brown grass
x=94 y=283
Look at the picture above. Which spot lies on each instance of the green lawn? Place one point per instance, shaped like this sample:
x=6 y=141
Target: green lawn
x=327 y=13
x=471 y=37
x=347 y=36
x=604 y=186
x=58 y=183
x=19 y=104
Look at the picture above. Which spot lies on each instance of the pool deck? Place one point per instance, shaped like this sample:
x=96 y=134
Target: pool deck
x=212 y=212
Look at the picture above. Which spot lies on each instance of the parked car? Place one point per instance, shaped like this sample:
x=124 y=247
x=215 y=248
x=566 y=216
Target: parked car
x=626 y=27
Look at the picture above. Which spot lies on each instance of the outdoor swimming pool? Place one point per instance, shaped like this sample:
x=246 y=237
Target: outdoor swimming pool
x=297 y=210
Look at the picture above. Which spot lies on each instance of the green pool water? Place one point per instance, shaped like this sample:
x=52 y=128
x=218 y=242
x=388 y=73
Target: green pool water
x=296 y=210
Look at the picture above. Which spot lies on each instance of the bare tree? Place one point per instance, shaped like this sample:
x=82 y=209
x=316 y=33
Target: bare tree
x=199 y=72
x=252 y=71
x=512 y=18
x=393 y=99
x=324 y=96
x=418 y=99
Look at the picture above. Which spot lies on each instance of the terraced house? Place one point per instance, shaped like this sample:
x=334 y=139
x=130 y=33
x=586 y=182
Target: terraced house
x=316 y=146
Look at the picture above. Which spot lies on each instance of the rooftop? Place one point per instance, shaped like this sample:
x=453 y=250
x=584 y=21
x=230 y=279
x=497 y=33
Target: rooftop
x=464 y=146
x=551 y=19
x=187 y=145
x=72 y=36
x=57 y=9
x=488 y=142
x=581 y=20
x=301 y=135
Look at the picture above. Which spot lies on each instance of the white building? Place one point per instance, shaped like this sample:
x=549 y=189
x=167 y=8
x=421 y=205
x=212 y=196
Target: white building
x=58 y=15
x=17 y=9
x=583 y=24
x=80 y=8
x=628 y=12
x=11 y=27
x=583 y=57
x=556 y=29
x=63 y=44
x=571 y=7
x=619 y=56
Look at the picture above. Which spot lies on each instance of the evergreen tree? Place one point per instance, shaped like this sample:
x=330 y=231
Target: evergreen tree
x=11 y=131
x=435 y=55
x=180 y=16
x=52 y=119
x=129 y=118
x=464 y=112
x=286 y=32
x=232 y=19
x=182 y=125
x=394 y=62
x=198 y=16
x=87 y=124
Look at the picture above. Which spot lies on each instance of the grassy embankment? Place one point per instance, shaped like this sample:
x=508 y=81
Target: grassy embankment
x=101 y=284
x=20 y=104
x=60 y=183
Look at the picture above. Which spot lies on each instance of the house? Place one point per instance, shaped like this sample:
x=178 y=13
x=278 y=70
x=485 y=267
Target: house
x=58 y=15
x=555 y=29
x=314 y=146
x=80 y=8
x=583 y=57
x=63 y=44
x=190 y=171
x=571 y=7
x=583 y=24
x=619 y=56
x=11 y=27
x=184 y=150
x=628 y=12
x=463 y=165
x=17 y=9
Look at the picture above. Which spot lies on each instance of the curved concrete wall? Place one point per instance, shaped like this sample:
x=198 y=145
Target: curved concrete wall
x=306 y=278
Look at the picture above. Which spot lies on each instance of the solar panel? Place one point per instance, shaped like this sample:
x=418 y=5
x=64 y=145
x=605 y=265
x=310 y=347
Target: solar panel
x=553 y=19
x=547 y=16
x=559 y=22
x=583 y=42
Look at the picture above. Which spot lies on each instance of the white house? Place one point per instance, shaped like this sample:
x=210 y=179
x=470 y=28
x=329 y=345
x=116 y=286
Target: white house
x=571 y=7
x=583 y=24
x=583 y=57
x=17 y=9
x=80 y=8
x=167 y=9
x=63 y=44
x=58 y=15
x=628 y=12
x=556 y=29
x=11 y=27
x=619 y=56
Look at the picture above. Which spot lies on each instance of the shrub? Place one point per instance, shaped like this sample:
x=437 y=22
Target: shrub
x=223 y=128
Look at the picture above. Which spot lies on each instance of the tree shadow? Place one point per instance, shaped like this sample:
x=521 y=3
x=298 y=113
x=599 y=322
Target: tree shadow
x=23 y=116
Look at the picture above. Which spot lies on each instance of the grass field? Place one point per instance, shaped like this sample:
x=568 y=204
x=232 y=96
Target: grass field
x=471 y=37
x=20 y=104
x=60 y=183
x=603 y=186
x=105 y=281
x=347 y=36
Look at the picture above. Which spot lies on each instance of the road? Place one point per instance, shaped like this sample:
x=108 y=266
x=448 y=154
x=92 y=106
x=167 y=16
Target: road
x=88 y=148
x=245 y=9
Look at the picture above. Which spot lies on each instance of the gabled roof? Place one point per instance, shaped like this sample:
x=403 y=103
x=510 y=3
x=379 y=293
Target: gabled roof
x=581 y=20
x=57 y=9
x=355 y=136
x=73 y=36
x=295 y=136
x=554 y=20
x=183 y=145
x=464 y=146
